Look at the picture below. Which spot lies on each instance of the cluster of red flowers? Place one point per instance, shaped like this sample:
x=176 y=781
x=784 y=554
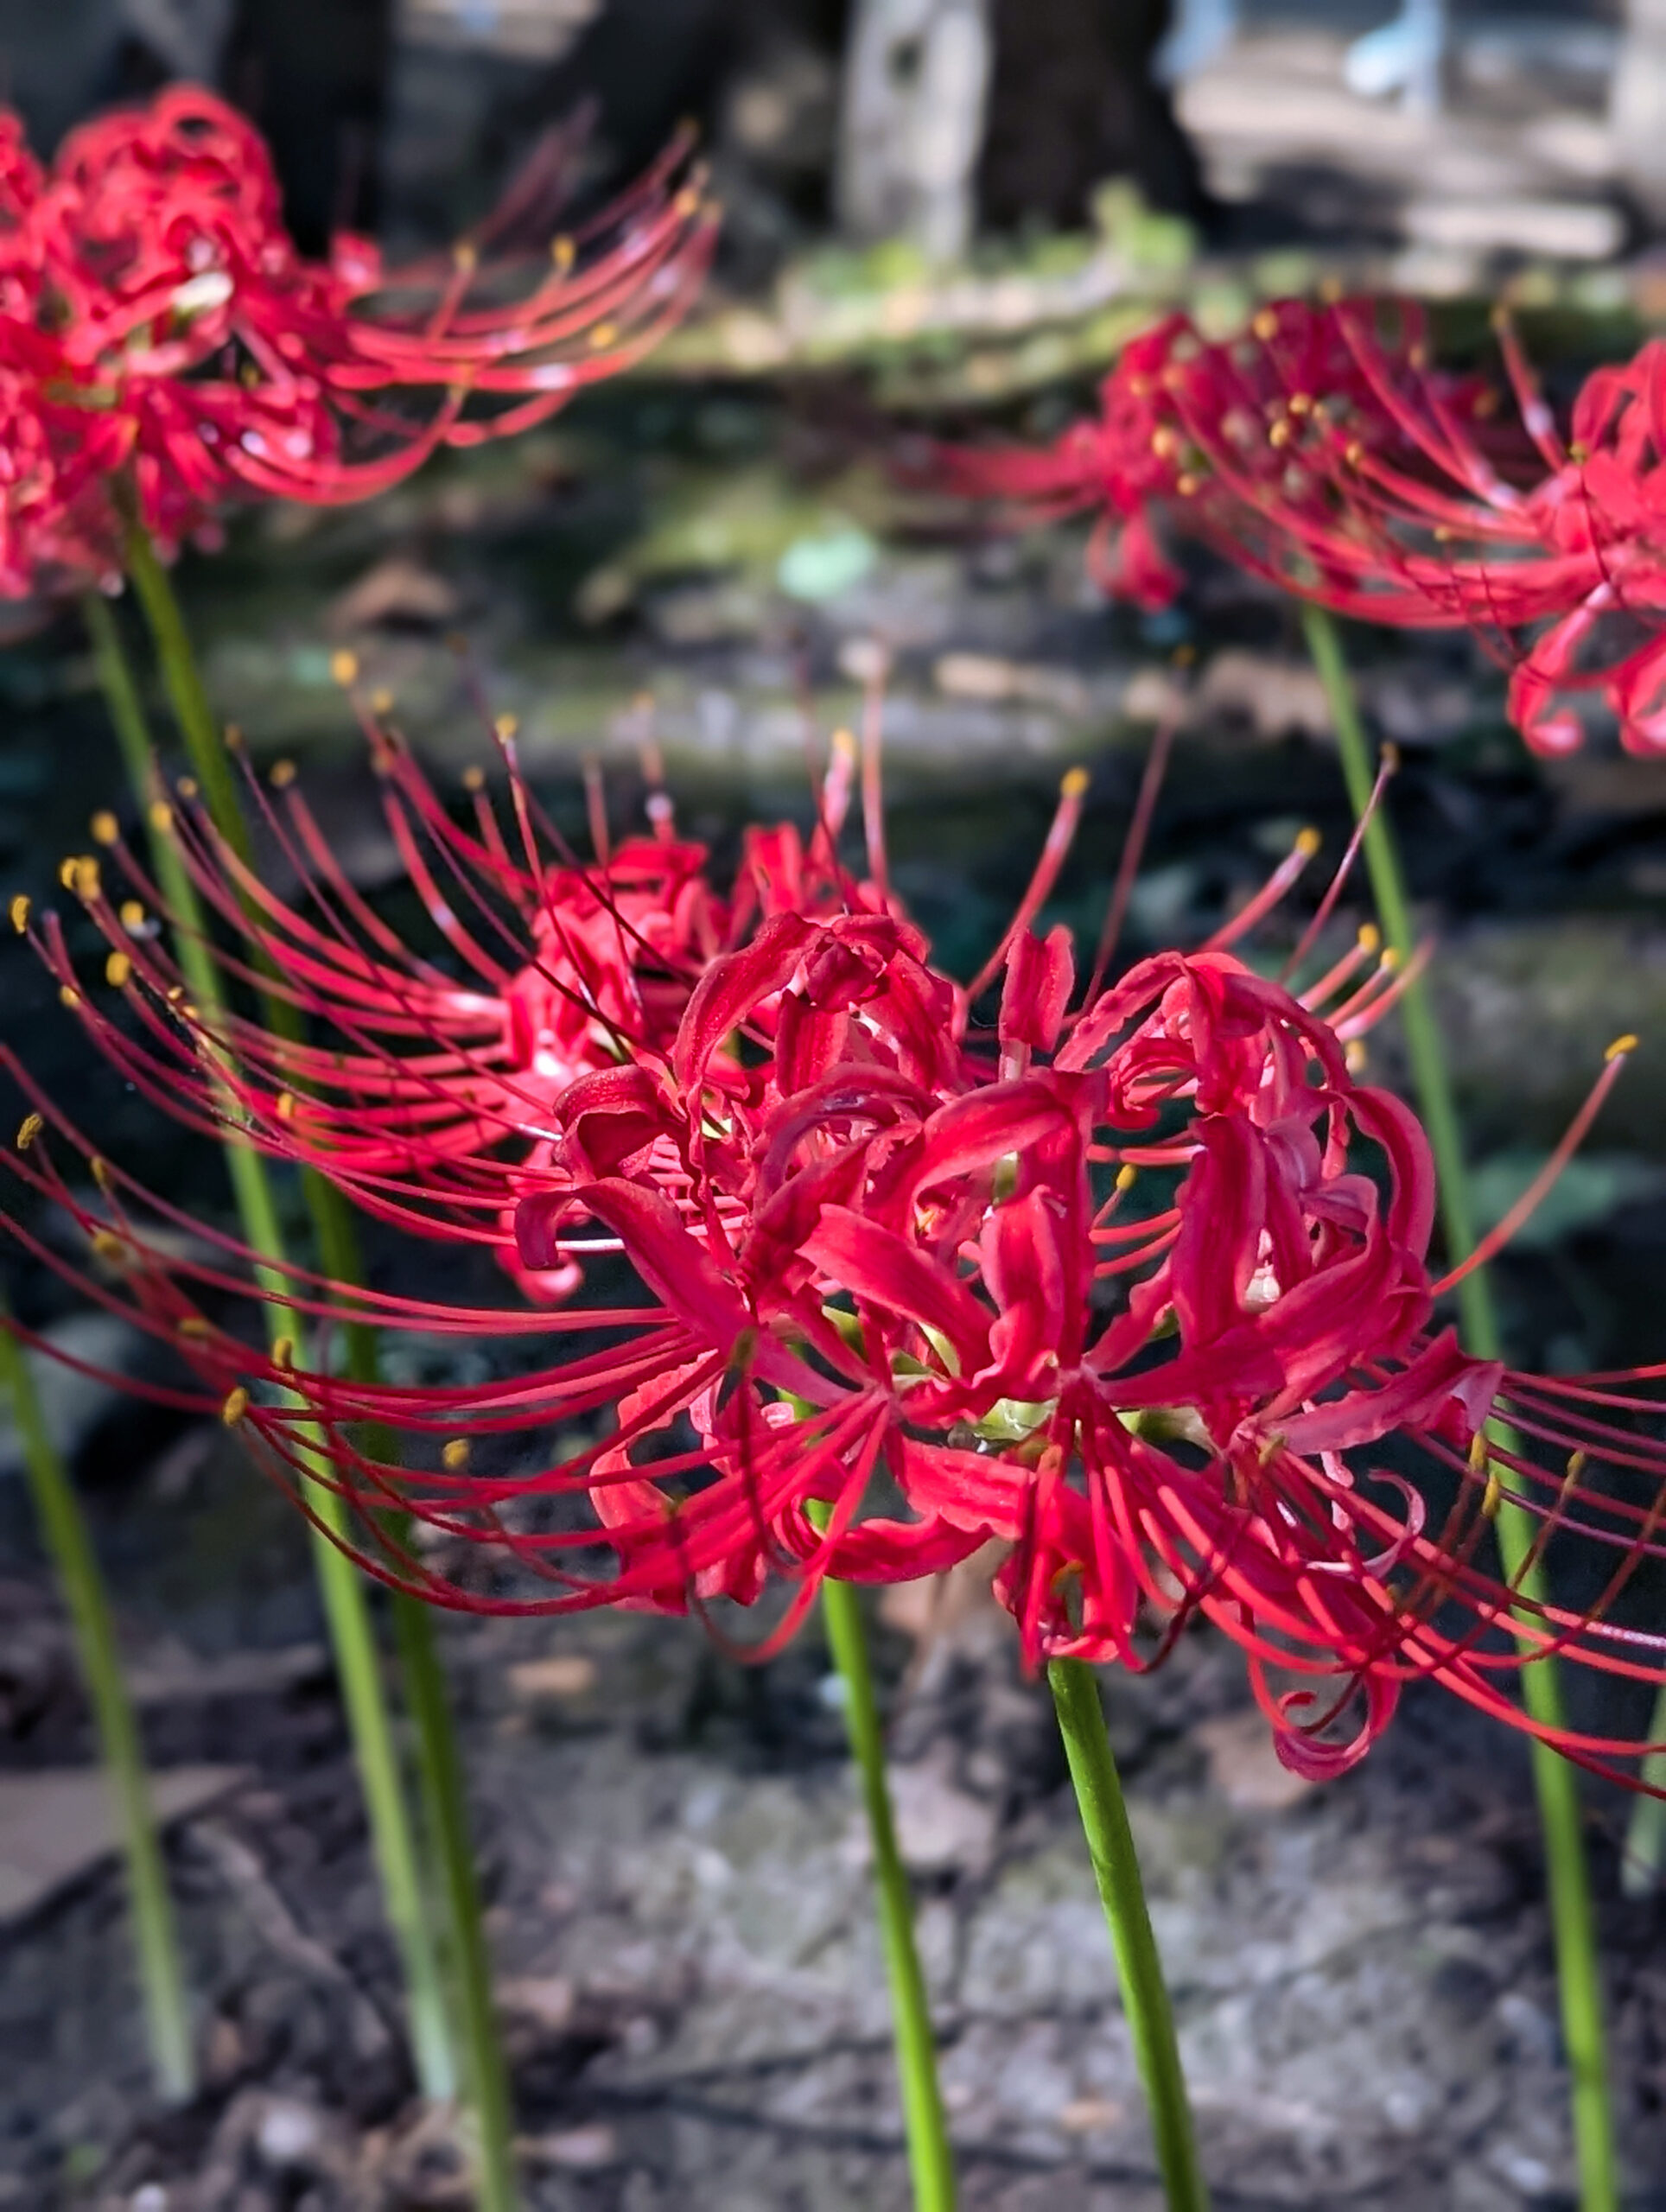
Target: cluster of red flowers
x=159 y=329
x=1135 y=1289
x=1322 y=449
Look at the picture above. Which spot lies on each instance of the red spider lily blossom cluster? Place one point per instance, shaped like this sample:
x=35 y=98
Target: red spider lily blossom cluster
x=430 y=1093
x=1135 y=1285
x=1322 y=449
x=159 y=327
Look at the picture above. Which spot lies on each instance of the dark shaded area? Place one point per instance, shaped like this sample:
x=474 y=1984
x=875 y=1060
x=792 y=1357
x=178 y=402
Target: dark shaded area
x=313 y=76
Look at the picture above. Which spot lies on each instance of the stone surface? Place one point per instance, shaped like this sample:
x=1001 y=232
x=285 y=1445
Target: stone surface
x=56 y=1825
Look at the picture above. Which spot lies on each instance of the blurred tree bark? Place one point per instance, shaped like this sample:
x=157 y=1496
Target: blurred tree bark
x=1072 y=101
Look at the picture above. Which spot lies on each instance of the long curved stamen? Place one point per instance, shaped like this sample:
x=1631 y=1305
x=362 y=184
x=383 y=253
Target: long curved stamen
x=1536 y=1192
x=1388 y=765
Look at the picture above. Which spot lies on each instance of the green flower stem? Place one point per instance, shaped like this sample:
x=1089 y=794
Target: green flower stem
x=440 y=1780
x=1117 y=1870
x=64 y=1530
x=439 y=1765
x=1573 y=1923
x=1645 y=1831
x=346 y=1608
x=930 y=2161
x=445 y=1805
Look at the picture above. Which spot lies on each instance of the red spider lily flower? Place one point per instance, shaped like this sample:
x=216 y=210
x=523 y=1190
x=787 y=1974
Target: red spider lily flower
x=1321 y=449
x=1139 y=1290
x=1120 y=462
x=157 y=321
x=426 y=1083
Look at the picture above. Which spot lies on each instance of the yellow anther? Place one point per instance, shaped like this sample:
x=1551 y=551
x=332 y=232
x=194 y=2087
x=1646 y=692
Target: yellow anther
x=1443 y=533
x=686 y=203
x=1353 y=452
x=473 y=780
x=282 y=775
x=1308 y=841
x=1575 y=1469
x=283 y=1351
x=508 y=728
x=1388 y=758
x=455 y=1457
x=1354 y=1056
x=187 y=787
x=466 y=254
x=69 y=996
x=562 y=252
x=1418 y=356
x=343 y=669
x=1390 y=961
x=193 y=1325
x=1265 y=325
x=176 y=994
x=160 y=816
x=99 y=1170
x=1164 y=441
x=1493 y=1495
x=1187 y=485
x=1073 y=782
x=108 y=1245
x=118 y=971
x=381 y=700
x=132 y=914
x=1370 y=936
x=604 y=336
x=27 y=1129
x=1300 y=403
x=1579 y=451
x=284 y=1107
x=1620 y=1046
x=1125 y=1177
x=236 y=1405
x=1478 y=1451
x=1281 y=434
x=844 y=743
x=106 y=831
x=19 y=912
x=233 y=737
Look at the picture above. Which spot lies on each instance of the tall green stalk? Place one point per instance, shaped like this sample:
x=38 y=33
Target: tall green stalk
x=1573 y=1923
x=439 y=1765
x=1645 y=1831
x=347 y=1609
x=440 y=1785
x=64 y=1531
x=930 y=2161
x=1117 y=1870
